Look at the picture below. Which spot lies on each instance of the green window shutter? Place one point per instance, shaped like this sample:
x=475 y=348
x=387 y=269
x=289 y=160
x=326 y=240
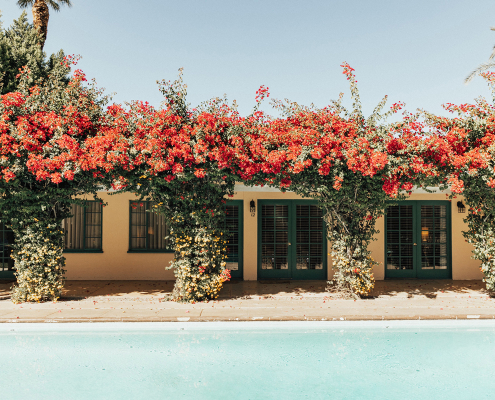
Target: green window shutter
x=291 y=240
x=309 y=237
x=400 y=244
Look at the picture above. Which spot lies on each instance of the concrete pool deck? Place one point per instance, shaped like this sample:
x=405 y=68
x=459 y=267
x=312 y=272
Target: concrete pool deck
x=142 y=301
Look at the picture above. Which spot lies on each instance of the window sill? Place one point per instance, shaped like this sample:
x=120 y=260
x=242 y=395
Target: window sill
x=83 y=251
x=151 y=251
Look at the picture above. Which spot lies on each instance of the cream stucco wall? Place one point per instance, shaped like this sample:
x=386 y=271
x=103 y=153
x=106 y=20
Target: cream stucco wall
x=116 y=263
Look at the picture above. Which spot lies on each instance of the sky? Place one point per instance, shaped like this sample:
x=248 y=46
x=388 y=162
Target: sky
x=418 y=52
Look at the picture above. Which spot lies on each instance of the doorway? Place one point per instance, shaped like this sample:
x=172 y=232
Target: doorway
x=291 y=240
x=418 y=240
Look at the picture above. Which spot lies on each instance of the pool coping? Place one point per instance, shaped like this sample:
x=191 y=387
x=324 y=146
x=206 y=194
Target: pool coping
x=232 y=319
x=256 y=325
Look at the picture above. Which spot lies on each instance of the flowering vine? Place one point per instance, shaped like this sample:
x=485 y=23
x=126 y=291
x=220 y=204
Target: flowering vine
x=56 y=143
x=44 y=164
x=461 y=150
x=351 y=164
x=187 y=162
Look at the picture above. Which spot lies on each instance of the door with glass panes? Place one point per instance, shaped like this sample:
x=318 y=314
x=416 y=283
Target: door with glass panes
x=291 y=240
x=6 y=242
x=233 y=226
x=418 y=240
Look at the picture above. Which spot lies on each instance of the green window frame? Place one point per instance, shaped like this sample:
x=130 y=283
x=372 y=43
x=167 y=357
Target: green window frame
x=292 y=240
x=84 y=230
x=418 y=246
x=234 y=221
x=6 y=262
x=147 y=229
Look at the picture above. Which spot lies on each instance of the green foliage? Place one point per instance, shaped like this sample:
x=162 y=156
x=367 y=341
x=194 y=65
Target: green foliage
x=44 y=167
x=342 y=160
x=483 y=66
x=38 y=251
x=190 y=190
x=466 y=161
x=196 y=214
x=19 y=47
x=350 y=212
x=481 y=225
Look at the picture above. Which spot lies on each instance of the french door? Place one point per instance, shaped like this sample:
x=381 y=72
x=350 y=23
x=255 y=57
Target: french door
x=418 y=240
x=291 y=240
x=6 y=242
x=234 y=229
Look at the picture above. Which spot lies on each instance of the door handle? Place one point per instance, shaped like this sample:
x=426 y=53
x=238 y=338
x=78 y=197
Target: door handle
x=415 y=244
x=289 y=244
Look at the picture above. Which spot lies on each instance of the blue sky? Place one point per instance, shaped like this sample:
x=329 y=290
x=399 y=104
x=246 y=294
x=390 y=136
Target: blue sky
x=417 y=51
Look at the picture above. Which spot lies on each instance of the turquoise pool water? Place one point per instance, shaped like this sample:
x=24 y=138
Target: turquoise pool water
x=258 y=360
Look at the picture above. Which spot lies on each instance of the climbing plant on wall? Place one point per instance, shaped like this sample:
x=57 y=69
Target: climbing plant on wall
x=57 y=142
x=462 y=150
x=187 y=162
x=44 y=164
x=351 y=164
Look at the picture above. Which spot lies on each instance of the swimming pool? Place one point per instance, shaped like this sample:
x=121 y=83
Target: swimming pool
x=249 y=360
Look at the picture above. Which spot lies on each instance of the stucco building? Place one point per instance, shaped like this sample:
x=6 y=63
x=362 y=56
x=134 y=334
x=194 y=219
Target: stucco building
x=272 y=235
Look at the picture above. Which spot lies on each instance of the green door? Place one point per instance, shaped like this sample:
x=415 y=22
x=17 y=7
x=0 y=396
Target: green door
x=233 y=223
x=6 y=242
x=418 y=240
x=291 y=240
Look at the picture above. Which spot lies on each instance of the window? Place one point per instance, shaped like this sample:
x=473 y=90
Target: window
x=6 y=242
x=83 y=229
x=148 y=230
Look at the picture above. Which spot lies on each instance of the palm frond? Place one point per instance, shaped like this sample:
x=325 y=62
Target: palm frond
x=55 y=4
x=25 y=3
x=493 y=54
x=481 y=68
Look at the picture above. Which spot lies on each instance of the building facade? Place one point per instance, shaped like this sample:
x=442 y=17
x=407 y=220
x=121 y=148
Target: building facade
x=272 y=235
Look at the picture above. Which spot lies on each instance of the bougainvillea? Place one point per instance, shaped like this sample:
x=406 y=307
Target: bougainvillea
x=43 y=164
x=187 y=162
x=351 y=164
x=56 y=143
x=461 y=150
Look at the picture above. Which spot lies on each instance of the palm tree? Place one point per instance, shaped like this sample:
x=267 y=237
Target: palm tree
x=483 y=67
x=41 y=14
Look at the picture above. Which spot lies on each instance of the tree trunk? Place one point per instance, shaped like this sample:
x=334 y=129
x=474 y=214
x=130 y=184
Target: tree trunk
x=40 y=20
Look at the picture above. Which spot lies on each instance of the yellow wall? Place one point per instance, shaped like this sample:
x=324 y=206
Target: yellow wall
x=116 y=263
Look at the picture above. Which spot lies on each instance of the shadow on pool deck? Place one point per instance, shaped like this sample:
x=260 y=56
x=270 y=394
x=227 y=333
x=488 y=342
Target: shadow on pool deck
x=428 y=288
x=77 y=290
x=143 y=301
